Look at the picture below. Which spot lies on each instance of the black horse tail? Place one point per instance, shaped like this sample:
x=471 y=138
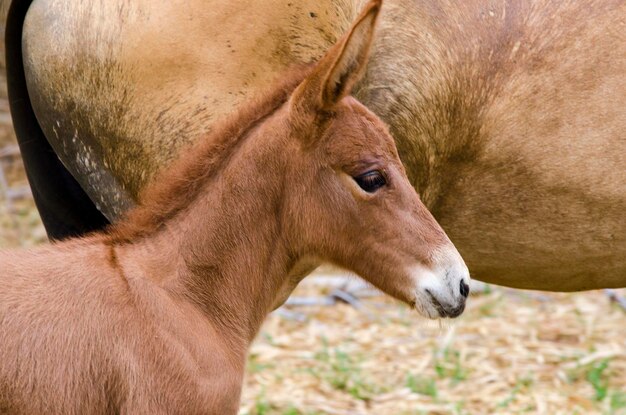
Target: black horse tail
x=63 y=205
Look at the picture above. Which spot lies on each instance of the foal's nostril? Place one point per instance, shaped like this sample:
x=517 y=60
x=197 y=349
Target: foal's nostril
x=464 y=289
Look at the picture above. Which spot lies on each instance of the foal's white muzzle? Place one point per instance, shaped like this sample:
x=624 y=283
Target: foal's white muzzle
x=441 y=291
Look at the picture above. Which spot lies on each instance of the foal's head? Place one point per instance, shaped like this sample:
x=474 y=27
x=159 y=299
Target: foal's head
x=348 y=194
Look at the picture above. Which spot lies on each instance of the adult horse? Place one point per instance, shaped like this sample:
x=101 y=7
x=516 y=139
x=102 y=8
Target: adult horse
x=509 y=116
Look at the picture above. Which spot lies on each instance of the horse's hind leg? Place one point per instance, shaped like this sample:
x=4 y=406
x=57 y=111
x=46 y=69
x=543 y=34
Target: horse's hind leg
x=65 y=208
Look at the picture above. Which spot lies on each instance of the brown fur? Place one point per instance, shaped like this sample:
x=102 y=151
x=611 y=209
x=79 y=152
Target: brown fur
x=156 y=315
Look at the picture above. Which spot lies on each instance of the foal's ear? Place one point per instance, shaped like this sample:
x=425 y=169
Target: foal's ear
x=342 y=66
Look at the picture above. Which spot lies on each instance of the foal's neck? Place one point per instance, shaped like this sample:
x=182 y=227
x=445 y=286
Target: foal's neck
x=227 y=254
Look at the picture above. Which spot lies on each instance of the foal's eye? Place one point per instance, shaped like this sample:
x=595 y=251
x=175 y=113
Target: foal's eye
x=371 y=181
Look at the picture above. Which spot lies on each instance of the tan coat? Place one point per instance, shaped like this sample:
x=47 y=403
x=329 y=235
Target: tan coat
x=509 y=116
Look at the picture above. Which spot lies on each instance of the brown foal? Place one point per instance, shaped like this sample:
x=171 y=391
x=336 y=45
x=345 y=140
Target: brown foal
x=156 y=315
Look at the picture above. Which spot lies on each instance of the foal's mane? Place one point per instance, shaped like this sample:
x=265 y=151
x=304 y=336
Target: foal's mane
x=178 y=185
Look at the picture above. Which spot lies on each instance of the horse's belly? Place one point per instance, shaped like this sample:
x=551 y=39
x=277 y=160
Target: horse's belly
x=515 y=230
x=544 y=204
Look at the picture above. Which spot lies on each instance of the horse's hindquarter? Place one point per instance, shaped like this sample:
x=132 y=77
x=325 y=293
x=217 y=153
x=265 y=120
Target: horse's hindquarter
x=119 y=87
x=543 y=204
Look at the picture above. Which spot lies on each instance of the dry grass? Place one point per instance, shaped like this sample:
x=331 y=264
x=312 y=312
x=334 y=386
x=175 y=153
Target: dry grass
x=512 y=351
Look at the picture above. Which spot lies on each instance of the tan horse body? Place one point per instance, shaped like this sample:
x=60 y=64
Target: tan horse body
x=156 y=315
x=509 y=116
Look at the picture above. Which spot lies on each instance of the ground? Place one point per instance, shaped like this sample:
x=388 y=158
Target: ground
x=511 y=352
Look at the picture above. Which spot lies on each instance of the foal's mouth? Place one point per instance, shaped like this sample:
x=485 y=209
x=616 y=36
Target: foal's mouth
x=441 y=292
x=443 y=310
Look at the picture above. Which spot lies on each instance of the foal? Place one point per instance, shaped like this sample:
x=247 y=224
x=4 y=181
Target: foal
x=156 y=315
